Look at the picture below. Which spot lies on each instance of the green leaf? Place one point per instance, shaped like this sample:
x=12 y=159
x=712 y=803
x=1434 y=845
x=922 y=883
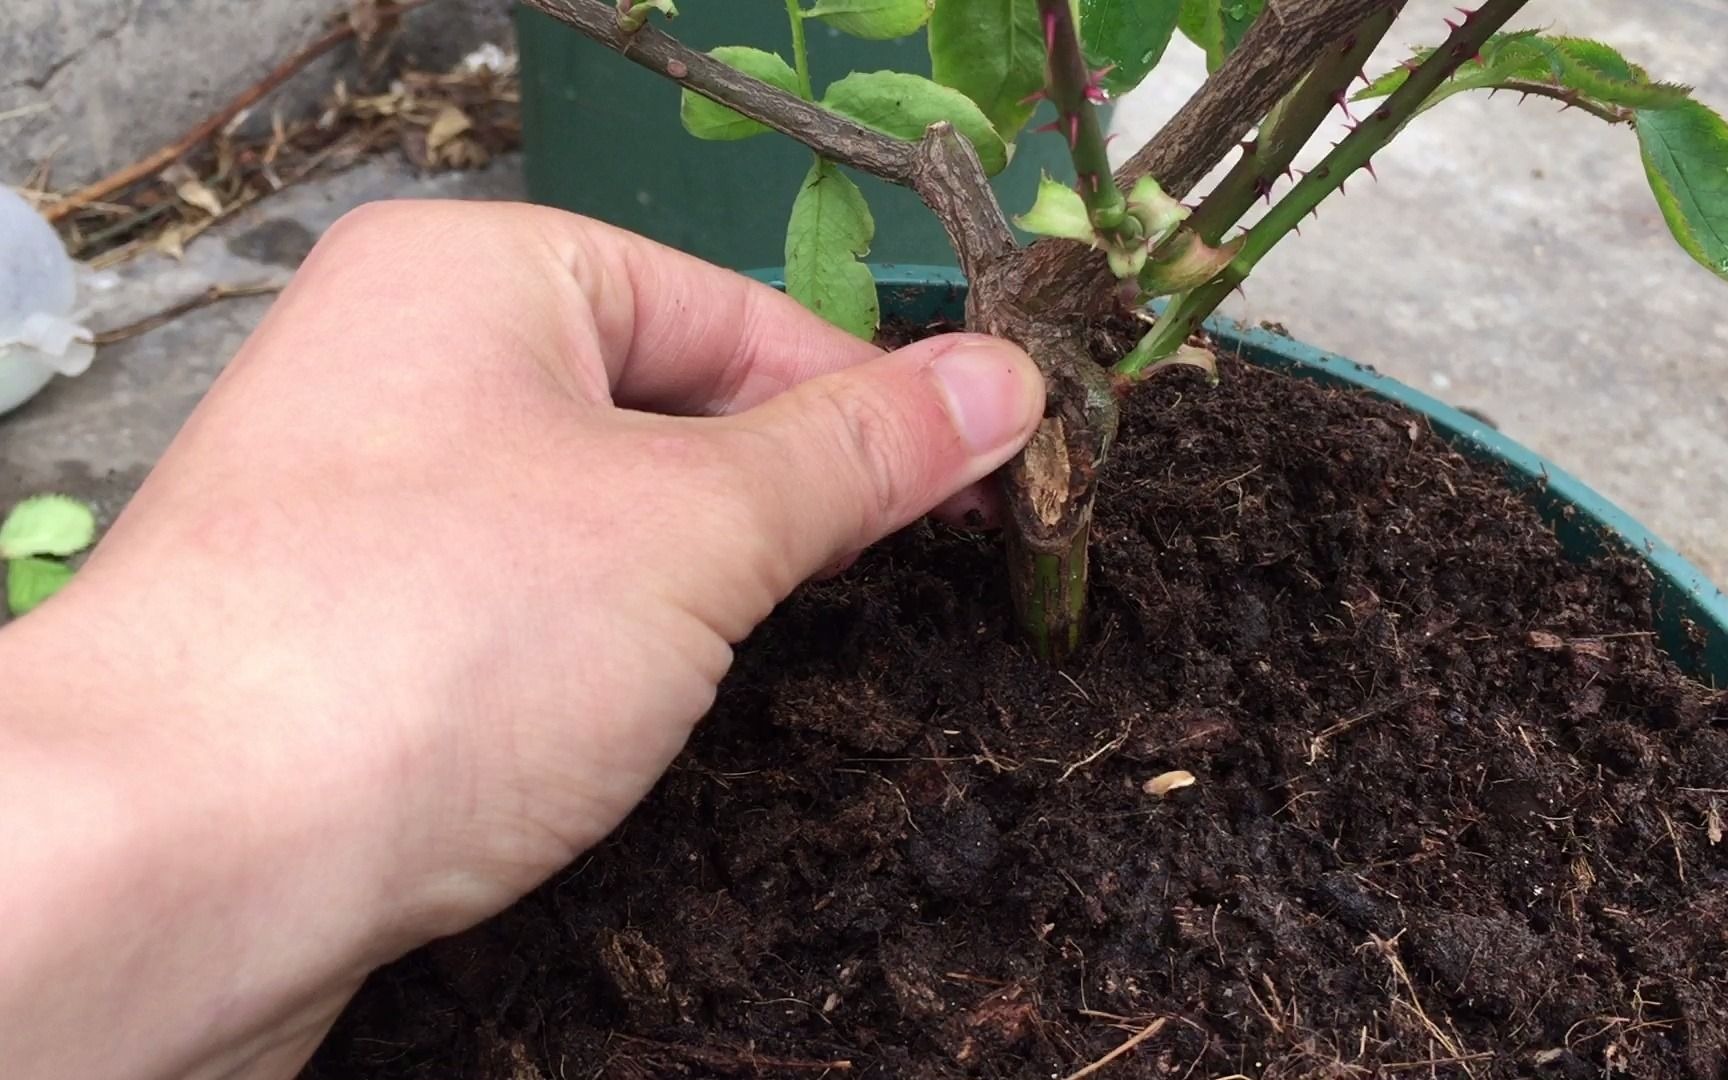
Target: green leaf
x=31 y=581
x=829 y=233
x=1596 y=73
x=877 y=20
x=706 y=120
x=1130 y=34
x=905 y=105
x=1217 y=26
x=1058 y=211
x=993 y=52
x=47 y=525
x=1686 y=157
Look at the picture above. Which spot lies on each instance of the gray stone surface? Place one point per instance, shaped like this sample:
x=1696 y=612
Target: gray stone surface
x=1512 y=260
x=94 y=84
x=97 y=435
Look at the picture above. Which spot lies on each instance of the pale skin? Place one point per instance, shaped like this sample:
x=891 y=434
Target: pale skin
x=424 y=597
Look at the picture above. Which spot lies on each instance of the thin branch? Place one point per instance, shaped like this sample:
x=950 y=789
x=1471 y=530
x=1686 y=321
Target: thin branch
x=210 y=125
x=829 y=134
x=1277 y=51
x=1612 y=113
x=942 y=168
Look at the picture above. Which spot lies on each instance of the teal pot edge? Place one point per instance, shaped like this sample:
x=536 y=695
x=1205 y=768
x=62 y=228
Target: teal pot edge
x=1692 y=612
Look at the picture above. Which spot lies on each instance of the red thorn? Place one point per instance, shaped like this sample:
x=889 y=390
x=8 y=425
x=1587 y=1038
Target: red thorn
x=1314 y=212
x=1342 y=100
x=1451 y=26
x=1054 y=125
x=1479 y=61
x=1073 y=131
x=1110 y=138
x=1369 y=165
x=1049 y=31
x=1263 y=188
x=1469 y=16
x=1238 y=291
x=1363 y=75
x=1343 y=187
x=1096 y=95
x=1097 y=77
x=1034 y=97
x=1298 y=228
x=1289 y=174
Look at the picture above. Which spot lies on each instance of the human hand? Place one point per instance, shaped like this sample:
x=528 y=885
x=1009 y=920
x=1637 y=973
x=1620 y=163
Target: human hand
x=427 y=593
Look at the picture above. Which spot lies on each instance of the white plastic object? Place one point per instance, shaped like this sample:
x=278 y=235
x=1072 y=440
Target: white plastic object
x=39 y=337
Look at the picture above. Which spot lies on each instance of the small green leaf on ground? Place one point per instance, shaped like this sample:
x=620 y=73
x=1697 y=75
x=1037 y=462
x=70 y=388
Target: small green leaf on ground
x=1058 y=211
x=993 y=52
x=47 y=525
x=707 y=120
x=905 y=105
x=1129 y=34
x=877 y=20
x=1686 y=158
x=31 y=581
x=830 y=232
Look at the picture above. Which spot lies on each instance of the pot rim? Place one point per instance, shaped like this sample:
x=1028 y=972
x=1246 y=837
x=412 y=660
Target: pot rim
x=1692 y=612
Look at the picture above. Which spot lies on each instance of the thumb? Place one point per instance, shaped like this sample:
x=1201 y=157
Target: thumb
x=843 y=460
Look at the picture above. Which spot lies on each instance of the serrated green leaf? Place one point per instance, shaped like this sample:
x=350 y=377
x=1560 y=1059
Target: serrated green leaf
x=47 y=525
x=1685 y=152
x=1058 y=211
x=830 y=232
x=1217 y=26
x=707 y=120
x=877 y=20
x=1129 y=34
x=904 y=105
x=31 y=581
x=1596 y=73
x=993 y=52
x=1600 y=73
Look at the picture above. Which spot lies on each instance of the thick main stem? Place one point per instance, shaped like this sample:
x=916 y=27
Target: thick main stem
x=1354 y=152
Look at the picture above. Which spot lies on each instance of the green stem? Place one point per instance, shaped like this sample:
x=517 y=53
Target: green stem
x=800 y=54
x=1265 y=158
x=1068 y=84
x=1050 y=600
x=1186 y=314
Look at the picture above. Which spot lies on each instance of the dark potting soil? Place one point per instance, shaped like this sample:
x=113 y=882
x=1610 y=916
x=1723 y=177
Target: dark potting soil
x=1452 y=814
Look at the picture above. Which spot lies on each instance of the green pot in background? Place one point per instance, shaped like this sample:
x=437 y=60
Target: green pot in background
x=602 y=138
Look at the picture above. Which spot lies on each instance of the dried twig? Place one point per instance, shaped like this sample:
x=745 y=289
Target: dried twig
x=147 y=167
x=1130 y=1043
x=214 y=294
x=1317 y=745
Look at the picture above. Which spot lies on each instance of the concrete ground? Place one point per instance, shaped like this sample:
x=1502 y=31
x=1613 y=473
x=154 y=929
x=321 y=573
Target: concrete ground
x=1509 y=260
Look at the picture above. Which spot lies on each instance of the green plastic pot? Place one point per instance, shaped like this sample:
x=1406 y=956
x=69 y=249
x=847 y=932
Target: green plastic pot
x=601 y=137
x=1691 y=613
